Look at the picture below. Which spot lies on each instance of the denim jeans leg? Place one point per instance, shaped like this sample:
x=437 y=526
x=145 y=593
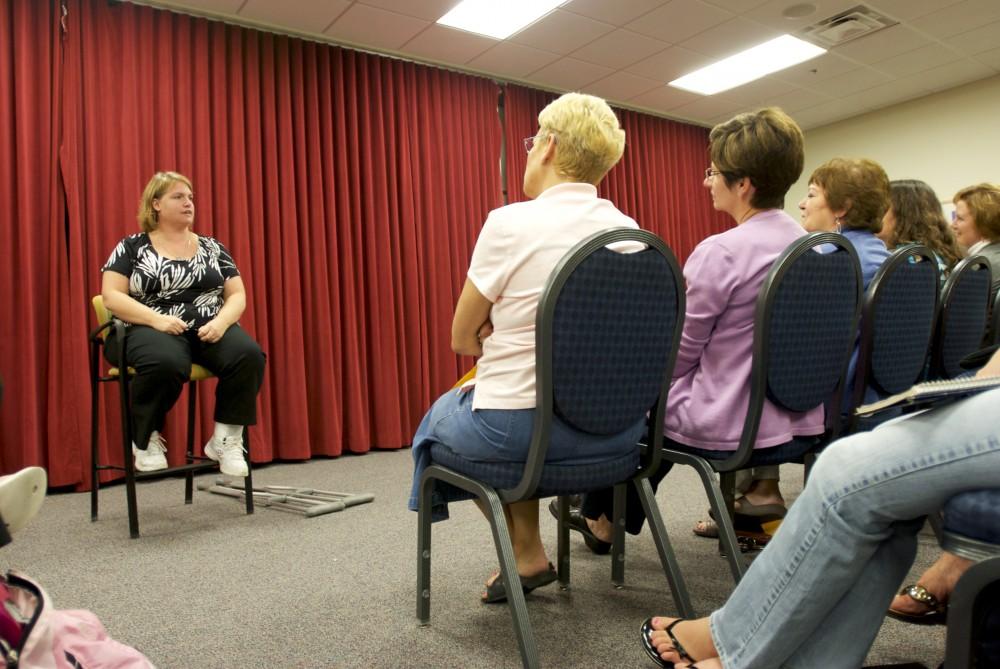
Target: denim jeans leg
x=848 y=523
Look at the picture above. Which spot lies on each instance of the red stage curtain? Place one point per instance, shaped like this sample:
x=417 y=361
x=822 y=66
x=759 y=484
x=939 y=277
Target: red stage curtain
x=349 y=187
x=658 y=181
x=42 y=414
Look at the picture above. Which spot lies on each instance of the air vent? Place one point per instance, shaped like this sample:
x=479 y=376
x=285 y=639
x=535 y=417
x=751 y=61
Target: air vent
x=849 y=25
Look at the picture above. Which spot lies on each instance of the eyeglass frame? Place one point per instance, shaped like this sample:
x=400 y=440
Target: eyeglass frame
x=529 y=142
x=711 y=172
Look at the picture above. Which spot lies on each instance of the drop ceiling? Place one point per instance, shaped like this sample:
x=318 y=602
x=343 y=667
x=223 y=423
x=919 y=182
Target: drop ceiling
x=627 y=50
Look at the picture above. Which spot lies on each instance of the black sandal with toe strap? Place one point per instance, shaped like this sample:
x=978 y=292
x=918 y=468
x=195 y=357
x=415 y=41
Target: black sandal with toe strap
x=647 y=644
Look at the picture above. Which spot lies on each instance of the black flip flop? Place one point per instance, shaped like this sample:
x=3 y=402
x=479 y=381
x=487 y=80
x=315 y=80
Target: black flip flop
x=647 y=644
x=497 y=593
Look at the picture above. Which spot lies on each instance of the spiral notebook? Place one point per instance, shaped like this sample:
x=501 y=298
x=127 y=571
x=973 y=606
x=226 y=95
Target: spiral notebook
x=932 y=390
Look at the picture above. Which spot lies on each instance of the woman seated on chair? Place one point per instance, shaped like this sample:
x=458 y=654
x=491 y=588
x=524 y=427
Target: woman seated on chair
x=180 y=297
x=915 y=217
x=977 y=224
x=755 y=159
x=490 y=419
x=815 y=597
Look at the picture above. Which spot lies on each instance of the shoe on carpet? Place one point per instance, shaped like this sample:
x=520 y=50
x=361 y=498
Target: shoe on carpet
x=153 y=458
x=228 y=452
x=579 y=523
x=21 y=495
x=647 y=644
x=936 y=613
x=496 y=592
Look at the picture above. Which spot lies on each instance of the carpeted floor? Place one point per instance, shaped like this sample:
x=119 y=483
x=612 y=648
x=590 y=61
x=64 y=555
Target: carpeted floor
x=207 y=586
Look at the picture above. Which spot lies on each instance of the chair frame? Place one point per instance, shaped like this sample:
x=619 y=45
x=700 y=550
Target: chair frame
x=864 y=372
x=721 y=494
x=193 y=463
x=970 y=264
x=493 y=499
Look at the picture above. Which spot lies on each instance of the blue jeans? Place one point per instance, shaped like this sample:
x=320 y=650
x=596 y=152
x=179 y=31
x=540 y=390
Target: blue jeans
x=817 y=595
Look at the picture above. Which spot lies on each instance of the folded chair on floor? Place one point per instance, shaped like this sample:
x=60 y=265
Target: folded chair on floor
x=897 y=327
x=606 y=337
x=962 y=318
x=972 y=530
x=192 y=463
x=805 y=326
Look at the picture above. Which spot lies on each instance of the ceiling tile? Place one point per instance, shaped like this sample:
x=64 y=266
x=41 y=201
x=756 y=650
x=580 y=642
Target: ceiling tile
x=215 y=6
x=562 y=32
x=891 y=93
x=882 y=45
x=447 y=45
x=305 y=15
x=907 y=10
x=918 y=60
x=728 y=38
x=770 y=14
x=570 y=74
x=374 y=27
x=664 y=98
x=819 y=69
x=955 y=74
x=429 y=10
x=621 y=86
x=815 y=117
x=854 y=81
x=709 y=107
x=991 y=58
x=619 y=48
x=958 y=18
x=616 y=13
x=669 y=64
x=678 y=20
x=798 y=99
x=513 y=60
x=976 y=41
x=737 y=6
x=759 y=92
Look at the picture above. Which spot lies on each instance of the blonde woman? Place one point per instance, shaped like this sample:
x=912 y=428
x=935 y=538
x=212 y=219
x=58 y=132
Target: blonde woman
x=180 y=296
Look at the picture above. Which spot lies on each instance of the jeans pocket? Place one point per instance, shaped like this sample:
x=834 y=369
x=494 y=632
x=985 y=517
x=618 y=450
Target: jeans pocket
x=494 y=426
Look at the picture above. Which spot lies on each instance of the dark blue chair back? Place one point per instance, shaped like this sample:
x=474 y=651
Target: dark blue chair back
x=962 y=319
x=897 y=323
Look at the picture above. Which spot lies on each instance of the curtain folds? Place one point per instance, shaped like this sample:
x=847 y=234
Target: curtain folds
x=349 y=187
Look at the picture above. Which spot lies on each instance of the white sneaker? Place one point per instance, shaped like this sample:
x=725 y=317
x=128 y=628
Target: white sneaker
x=228 y=452
x=21 y=495
x=153 y=458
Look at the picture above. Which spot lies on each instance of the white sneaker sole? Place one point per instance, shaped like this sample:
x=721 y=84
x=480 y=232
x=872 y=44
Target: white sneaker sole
x=224 y=467
x=21 y=495
x=147 y=468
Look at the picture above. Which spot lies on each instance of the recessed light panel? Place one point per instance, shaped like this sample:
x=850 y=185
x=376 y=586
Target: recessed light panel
x=748 y=65
x=498 y=20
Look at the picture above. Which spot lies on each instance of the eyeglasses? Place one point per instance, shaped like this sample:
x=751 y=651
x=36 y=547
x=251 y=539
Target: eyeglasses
x=529 y=142
x=711 y=172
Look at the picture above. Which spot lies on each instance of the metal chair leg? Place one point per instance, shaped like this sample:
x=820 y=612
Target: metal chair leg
x=562 y=535
x=133 y=508
x=248 y=479
x=95 y=409
x=668 y=559
x=424 y=553
x=189 y=458
x=618 y=536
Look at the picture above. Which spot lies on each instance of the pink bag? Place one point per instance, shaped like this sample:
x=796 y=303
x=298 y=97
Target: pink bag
x=54 y=639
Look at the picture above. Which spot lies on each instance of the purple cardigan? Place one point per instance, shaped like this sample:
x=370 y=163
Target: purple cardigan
x=711 y=387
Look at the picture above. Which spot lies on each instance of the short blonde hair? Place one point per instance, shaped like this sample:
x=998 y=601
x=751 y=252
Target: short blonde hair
x=154 y=190
x=858 y=186
x=983 y=201
x=589 y=138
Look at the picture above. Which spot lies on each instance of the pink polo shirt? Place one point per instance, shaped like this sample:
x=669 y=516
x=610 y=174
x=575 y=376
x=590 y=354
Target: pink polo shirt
x=517 y=249
x=711 y=388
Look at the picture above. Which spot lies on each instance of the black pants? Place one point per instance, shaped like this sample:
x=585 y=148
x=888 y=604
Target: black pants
x=163 y=365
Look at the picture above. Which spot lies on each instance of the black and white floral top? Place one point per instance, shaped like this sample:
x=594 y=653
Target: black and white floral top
x=188 y=289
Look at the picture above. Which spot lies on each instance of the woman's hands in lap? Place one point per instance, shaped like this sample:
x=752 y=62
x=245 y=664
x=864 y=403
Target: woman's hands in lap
x=212 y=331
x=169 y=324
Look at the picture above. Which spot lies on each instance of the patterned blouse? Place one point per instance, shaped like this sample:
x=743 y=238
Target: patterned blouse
x=189 y=289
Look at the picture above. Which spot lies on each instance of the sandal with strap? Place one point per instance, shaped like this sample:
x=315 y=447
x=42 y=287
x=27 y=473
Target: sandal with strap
x=936 y=613
x=647 y=644
x=496 y=592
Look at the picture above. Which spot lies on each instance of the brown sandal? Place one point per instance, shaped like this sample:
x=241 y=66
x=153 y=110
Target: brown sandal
x=936 y=613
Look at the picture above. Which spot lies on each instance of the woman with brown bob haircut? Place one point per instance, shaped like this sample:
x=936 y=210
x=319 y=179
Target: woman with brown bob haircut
x=977 y=224
x=915 y=217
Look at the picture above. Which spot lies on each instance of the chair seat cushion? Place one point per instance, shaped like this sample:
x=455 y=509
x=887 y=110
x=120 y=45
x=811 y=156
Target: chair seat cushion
x=974 y=515
x=198 y=373
x=557 y=479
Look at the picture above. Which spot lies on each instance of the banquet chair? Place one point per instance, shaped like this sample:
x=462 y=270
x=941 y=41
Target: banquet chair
x=192 y=462
x=961 y=323
x=606 y=334
x=805 y=326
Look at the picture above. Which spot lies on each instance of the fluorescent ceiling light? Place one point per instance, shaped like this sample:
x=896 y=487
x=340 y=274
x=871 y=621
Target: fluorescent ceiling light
x=746 y=66
x=498 y=20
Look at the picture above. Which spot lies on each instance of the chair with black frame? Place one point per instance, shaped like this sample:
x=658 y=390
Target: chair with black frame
x=805 y=326
x=606 y=335
x=193 y=463
x=972 y=530
x=897 y=326
x=993 y=336
x=962 y=318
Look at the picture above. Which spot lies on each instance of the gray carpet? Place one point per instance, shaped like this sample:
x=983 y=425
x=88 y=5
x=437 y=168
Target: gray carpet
x=207 y=586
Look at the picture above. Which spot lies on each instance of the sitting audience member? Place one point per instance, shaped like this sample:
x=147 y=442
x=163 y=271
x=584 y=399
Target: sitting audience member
x=915 y=217
x=181 y=297
x=977 y=224
x=490 y=418
x=755 y=158
x=816 y=595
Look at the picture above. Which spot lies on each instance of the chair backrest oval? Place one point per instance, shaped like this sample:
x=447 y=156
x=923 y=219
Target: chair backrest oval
x=962 y=318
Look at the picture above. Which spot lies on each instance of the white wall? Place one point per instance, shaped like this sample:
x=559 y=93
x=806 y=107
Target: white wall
x=949 y=139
